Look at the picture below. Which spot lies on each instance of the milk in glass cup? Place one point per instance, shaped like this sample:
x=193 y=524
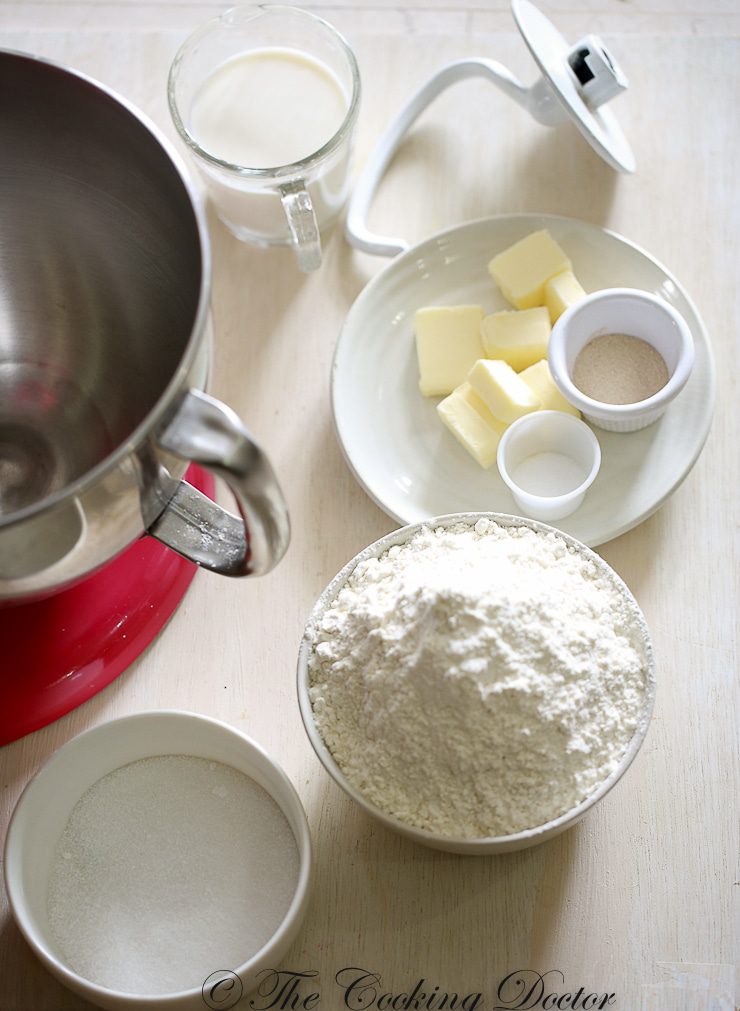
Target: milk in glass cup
x=266 y=98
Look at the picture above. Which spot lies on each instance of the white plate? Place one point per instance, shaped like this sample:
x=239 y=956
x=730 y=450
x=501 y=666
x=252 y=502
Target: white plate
x=392 y=438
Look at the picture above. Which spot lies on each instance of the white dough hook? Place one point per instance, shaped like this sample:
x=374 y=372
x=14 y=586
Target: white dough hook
x=574 y=83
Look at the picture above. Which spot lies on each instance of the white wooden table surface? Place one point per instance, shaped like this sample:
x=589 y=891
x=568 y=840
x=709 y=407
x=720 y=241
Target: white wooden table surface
x=641 y=898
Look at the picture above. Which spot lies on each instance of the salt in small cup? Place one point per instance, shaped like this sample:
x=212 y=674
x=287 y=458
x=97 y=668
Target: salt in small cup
x=549 y=460
x=624 y=311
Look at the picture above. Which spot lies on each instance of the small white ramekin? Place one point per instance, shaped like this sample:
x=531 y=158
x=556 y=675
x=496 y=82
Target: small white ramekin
x=629 y=311
x=489 y=844
x=550 y=435
x=47 y=802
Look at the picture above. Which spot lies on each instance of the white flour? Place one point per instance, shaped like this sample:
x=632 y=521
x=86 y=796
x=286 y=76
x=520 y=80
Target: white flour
x=478 y=681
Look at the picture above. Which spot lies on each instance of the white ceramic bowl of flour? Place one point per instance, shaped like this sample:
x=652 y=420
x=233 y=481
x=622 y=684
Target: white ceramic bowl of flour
x=445 y=710
x=180 y=793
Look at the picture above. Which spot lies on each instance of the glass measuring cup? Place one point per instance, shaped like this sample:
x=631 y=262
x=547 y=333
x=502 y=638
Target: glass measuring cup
x=240 y=89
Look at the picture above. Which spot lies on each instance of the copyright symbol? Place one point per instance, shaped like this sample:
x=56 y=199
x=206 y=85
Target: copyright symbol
x=222 y=990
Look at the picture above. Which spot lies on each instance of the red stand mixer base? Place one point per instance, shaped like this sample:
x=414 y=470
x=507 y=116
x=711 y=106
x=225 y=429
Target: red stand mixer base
x=60 y=651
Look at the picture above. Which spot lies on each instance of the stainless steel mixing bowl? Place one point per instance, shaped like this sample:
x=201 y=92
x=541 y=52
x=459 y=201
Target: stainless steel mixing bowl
x=104 y=347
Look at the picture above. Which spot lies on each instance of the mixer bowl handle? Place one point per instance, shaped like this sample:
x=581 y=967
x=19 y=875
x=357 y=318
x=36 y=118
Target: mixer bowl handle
x=207 y=432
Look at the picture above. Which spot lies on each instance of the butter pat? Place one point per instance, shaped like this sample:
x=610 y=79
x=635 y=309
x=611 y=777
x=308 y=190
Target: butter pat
x=472 y=424
x=523 y=269
x=517 y=336
x=505 y=395
x=561 y=292
x=539 y=379
x=448 y=343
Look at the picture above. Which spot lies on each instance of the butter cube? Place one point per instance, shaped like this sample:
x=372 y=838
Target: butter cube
x=472 y=424
x=561 y=292
x=517 y=336
x=539 y=379
x=501 y=390
x=523 y=269
x=448 y=343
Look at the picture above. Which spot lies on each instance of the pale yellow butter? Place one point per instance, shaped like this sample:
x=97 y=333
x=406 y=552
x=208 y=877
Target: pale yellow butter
x=522 y=270
x=448 y=343
x=517 y=336
x=472 y=424
x=501 y=390
x=539 y=379
x=561 y=292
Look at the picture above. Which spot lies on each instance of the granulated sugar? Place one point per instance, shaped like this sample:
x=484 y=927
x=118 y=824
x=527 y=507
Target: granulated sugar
x=168 y=869
x=478 y=681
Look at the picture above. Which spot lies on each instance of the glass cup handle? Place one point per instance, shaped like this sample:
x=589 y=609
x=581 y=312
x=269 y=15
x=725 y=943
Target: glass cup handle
x=304 y=229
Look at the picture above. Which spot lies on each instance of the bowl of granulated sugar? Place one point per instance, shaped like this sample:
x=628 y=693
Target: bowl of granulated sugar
x=162 y=860
x=476 y=682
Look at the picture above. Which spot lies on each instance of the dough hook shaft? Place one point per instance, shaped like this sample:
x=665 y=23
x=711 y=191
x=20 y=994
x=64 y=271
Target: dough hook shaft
x=358 y=233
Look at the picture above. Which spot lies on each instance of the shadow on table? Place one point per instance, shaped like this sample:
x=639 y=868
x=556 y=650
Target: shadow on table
x=560 y=174
x=29 y=985
x=257 y=282
x=635 y=555
x=554 y=172
x=461 y=922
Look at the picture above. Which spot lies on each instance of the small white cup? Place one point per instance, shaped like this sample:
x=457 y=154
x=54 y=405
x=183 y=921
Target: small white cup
x=549 y=460
x=628 y=311
x=286 y=204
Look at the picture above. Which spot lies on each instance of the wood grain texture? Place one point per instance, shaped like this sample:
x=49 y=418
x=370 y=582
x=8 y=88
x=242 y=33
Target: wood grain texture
x=651 y=875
